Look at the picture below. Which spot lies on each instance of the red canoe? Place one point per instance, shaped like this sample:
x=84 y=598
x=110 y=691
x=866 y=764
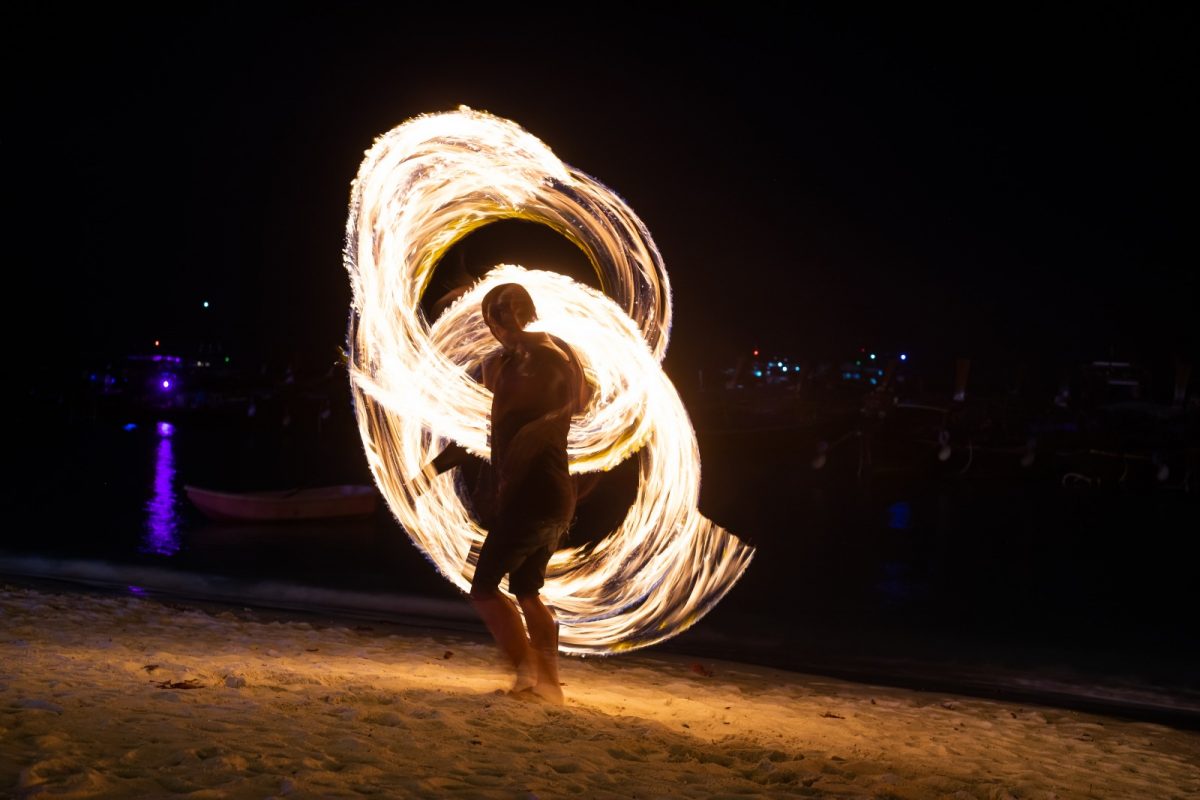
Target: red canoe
x=322 y=502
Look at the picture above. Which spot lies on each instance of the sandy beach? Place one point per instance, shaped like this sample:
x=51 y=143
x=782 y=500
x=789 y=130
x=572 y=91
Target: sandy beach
x=105 y=695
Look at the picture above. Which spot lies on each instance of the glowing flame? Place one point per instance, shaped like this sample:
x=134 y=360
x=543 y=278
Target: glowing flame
x=422 y=187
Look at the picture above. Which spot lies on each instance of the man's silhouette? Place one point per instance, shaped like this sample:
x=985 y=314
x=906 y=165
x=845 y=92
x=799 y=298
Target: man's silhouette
x=537 y=385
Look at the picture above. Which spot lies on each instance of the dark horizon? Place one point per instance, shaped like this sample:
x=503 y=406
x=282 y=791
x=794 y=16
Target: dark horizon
x=997 y=184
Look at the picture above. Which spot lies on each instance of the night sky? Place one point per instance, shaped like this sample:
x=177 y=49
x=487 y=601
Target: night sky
x=984 y=181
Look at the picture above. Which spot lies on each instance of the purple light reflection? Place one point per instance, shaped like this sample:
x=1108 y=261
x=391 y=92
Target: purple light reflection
x=162 y=521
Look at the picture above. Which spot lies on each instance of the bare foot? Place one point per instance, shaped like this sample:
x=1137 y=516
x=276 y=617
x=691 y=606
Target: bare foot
x=536 y=695
x=549 y=692
x=527 y=675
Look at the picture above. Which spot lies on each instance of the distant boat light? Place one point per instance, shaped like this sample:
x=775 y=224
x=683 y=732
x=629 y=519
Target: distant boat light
x=904 y=356
x=166 y=384
x=205 y=304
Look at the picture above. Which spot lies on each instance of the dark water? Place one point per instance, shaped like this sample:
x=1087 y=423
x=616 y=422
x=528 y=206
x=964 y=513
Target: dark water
x=980 y=555
x=913 y=558
x=111 y=490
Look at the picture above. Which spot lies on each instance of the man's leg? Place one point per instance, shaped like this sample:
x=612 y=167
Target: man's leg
x=503 y=620
x=497 y=556
x=543 y=632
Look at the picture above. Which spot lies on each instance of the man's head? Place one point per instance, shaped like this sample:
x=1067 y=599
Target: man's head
x=507 y=309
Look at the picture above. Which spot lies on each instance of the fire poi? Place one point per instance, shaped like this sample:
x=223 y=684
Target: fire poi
x=421 y=188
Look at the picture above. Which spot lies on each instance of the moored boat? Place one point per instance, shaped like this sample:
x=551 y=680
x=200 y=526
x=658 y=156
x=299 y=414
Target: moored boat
x=321 y=502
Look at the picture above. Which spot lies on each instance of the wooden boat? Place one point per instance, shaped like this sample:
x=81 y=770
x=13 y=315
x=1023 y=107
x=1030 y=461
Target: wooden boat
x=321 y=502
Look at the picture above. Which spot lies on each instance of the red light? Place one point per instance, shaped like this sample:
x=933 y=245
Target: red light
x=156 y=342
x=755 y=352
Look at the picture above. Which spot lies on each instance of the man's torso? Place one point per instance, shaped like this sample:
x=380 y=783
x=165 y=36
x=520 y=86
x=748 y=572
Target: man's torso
x=528 y=385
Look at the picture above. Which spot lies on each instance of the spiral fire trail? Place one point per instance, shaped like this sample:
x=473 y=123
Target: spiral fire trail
x=422 y=187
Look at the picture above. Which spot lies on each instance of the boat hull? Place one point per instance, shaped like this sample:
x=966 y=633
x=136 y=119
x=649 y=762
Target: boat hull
x=324 y=502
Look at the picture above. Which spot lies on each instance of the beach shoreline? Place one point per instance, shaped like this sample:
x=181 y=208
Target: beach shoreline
x=1164 y=694
x=105 y=695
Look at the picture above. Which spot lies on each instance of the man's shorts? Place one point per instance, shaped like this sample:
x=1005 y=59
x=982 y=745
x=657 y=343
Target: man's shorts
x=520 y=550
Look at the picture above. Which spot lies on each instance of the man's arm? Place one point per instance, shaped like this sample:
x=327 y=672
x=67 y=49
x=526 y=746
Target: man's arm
x=455 y=455
x=578 y=386
x=584 y=390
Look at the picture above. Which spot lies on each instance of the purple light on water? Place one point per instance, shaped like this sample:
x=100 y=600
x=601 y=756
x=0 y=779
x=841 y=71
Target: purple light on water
x=162 y=519
x=166 y=384
x=135 y=589
x=900 y=516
